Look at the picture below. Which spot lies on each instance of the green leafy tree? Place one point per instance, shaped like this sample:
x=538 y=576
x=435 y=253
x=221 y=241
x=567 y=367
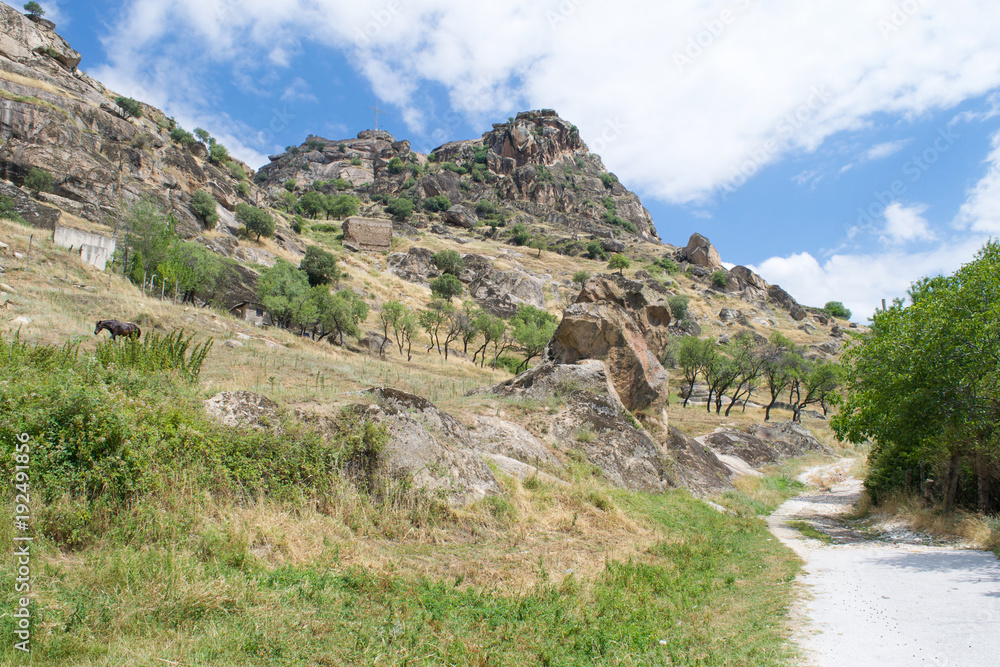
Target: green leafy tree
x=581 y=277
x=256 y=220
x=449 y=261
x=284 y=291
x=679 y=306
x=203 y=136
x=720 y=278
x=34 y=9
x=190 y=269
x=519 y=234
x=436 y=203
x=595 y=250
x=181 y=136
x=339 y=313
x=38 y=180
x=446 y=286
x=217 y=154
x=837 y=309
x=312 y=204
x=289 y=184
x=236 y=170
x=396 y=166
x=694 y=357
x=400 y=209
x=289 y=201
x=538 y=243
x=432 y=321
x=340 y=207
x=129 y=108
x=320 y=266
x=783 y=362
x=149 y=235
x=619 y=263
x=532 y=329
x=204 y=206
x=391 y=315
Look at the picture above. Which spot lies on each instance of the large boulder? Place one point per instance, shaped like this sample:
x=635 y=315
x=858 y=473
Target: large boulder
x=23 y=39
x=698 y=468
x=501 y=292
x=415 y=266
x=461 y=215
x=607 y=323
x=785 y=300
x=764 y=444
x=700 y=251
x=243 y=409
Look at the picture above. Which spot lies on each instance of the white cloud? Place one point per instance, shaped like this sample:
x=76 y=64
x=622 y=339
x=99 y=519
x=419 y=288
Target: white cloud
x=904 y=224
x=861 y=281
x=981 y=210
x=883 y=150
x=762 y=79
x=298 y=91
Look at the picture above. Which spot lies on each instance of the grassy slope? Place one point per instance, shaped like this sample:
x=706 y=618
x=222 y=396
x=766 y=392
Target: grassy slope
x=193 y=577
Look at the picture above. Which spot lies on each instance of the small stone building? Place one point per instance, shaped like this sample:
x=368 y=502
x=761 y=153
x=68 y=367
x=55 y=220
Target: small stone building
x=369 y=234
x=252 y=312
x=94 y=249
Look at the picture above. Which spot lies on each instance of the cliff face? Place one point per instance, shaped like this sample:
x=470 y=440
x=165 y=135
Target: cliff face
x=56 y=118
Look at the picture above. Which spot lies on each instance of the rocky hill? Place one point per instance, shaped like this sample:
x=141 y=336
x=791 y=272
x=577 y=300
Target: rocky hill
x=529 y=181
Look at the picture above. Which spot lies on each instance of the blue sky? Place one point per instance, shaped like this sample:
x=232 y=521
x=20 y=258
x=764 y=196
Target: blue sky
x=843 y=148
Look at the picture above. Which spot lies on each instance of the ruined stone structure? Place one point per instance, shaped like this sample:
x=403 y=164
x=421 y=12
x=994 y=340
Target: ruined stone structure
x=367 y=234
x=94 y=249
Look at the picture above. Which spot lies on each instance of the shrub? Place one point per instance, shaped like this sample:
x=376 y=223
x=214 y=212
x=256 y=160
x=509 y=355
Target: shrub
x=204 y=206
x=437 y=203
x=156 y=352
x=256 y=220
x=8 y=210
x=400 y=208
x=719 y=278
x=409 y=183
x=581 y=277
x=236 y=171
x=609 y=180
x=678 y=306
x=667 y=264
x=619 y=262
x=837 y=309
x=487 y=207
x=38 y=180
x=320 y=266
x=129 y=107
x=396 y=166
x=342 y=206
x=432 y=158
x=298 y=222
x=519 y=234
x=451 y=166
x=449 y=261
x=596 y=251
x=289 y=184
x=356 y=161
x=341 y=184
x=446 y=286
x=181 y=136
x=217 y=154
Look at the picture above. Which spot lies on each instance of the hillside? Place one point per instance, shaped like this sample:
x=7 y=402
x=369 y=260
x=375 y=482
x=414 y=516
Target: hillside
x=545 y=466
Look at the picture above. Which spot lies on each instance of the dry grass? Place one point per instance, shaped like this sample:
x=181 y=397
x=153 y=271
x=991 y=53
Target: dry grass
x=969 y=529
x=33 y=83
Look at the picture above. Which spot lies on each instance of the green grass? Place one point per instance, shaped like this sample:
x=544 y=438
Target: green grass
x=808 y=530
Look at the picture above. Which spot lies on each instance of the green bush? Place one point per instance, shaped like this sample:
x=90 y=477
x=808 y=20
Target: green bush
x=720 y=278
x=519 y=234
x=289 y=185
x=8 y=210
x=596 y=251
x=129 y=107
x=609 y=180
x=38 y=180
x=449 y=261
x=446 y=286
x=436 y=203
x=396 y=166
x=356 y=161
x=451 y=166
x=400 y=209
x=678 y=306
x=236 y=170
x=341 y=184
x=204 y=206
x=181 y=136
x=155 y=352
x=340 y=207
x=667 y=264
x=217 y=154
x=837 y=309
x=487 y=207
x=320 y=266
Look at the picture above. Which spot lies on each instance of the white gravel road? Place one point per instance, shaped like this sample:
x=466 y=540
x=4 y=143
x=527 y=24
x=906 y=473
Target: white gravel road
x=885 y=602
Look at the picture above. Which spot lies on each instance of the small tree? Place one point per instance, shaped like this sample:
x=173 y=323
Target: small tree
x=34 y=9
x=595 y=250
x=538 y=243
x=619 y=262
x=320 y=266
x=400 y=209
x=532 y=329
x=396 y=166
x=519 y=234
x=678 y=306
x=339 y=207
x=837 y=309
x=256 y=220
x=218 y=154
x=339 y=313
x=719 y=278
x=181 y=136
x=446 y=286
x=437 y=203
x=289 y=184
x=581 y=277
x=129 y=107
x=449 y=261
x=203 y=135
x=312 y=204
x=204 y=206
x=38 y=180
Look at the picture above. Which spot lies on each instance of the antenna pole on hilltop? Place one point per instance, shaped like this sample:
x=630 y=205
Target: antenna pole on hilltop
x=377 y=112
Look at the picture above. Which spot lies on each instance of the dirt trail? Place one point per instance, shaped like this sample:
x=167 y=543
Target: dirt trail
x=889 y=600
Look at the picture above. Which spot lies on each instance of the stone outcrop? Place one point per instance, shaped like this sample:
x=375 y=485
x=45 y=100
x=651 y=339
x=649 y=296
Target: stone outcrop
x=700 y=251
x=764 y=444
x=243 y=409
x=368 y=234
x=501 y=292
x=23 y=40
x=696 y=467
x=415 y=265
x=783 y=299
x=460 y=215
x=612 y=322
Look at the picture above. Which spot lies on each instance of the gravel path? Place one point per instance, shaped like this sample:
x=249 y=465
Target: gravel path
x=895 y=600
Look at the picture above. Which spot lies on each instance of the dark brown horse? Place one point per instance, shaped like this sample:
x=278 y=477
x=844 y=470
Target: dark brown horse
x=117 y=328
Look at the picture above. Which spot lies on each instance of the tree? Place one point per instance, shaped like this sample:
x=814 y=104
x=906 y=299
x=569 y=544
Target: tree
x=449 y=261
x=437 y=203
x=289 y=200
x=256 y=220
x=217 y=154
x=596 y=251
x=34 y=9
x=619 y=262
x=432 y=320
x=493 y=329
x=538 y=243
x=149 y=234
x=190 y=268
x=339 y=313
x=446 y=286
x=581 y=277
x=400 y=209
x=312 y=204
x=748 y=356
x=129 y=107
x=284 y=291
x=181 y=136
x=396 y=166
x=679 y=306
x=204 y=206
x=782 y=364
x=390 y=315
x=519 y=234
x=341 y=206
x=289 y=185
x=720 y=278
x=694 y=356
x=532 y=329
x=203 y=136
x=837 y=309
x=320 y=266
x=38 y=180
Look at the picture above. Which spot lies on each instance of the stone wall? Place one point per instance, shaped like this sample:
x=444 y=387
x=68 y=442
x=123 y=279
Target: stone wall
x=94 y=249
x=367 y=234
